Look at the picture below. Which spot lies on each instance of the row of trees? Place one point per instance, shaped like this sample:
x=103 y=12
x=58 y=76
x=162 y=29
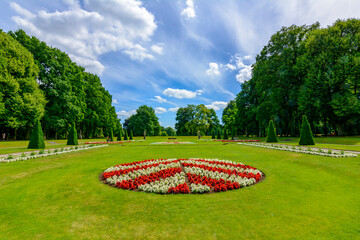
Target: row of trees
x=303 y=70
x=41 y=82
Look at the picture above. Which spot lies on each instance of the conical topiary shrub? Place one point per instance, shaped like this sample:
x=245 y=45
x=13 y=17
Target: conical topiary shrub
x=218 y=134
x=233 y=133
x=213 y=134
x=37 y=137
x=119 y=137
x=271 y=137
x=111 y=136
x=126 y=135
x=226 y=137
x=306 y=136
x=72 y=137
x=131 y=135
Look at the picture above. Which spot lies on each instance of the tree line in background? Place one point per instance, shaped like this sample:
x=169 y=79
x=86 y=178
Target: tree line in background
x=41 y=82
x=303 y=70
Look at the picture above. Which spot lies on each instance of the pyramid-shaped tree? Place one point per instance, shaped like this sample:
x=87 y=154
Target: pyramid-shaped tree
x=226 y=137
x=119 y=136
x=111 y=135
x=306 y=136
x=131 y=135
x=213 y=134
x=218 y=134
x=271 y=137
x=37 y=137
x=233 y=132
x=126 y=135
x=72 y=137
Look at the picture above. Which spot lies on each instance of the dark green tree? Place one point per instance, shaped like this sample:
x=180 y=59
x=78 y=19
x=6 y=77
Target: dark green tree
x=306 y=136
x=72 y=136
x=144 y=119
x=131 y=134
x=111 y=135
x=226 y=136
x=213 y=134
x=218 y=133
x=119 y=136
x=271 y=137
x=126 y=135
x=37 y=137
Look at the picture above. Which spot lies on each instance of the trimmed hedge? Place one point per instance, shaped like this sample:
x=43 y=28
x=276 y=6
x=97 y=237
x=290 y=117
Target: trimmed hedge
x=131 y=135
x=213 y=134
x=306 y=136
x=119 y=136
x=37 y=137
x=72 y=137
x=218 y=134
x=126 y=135
x=271 y=137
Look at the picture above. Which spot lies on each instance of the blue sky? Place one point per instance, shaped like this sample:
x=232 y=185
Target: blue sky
x=165 y=53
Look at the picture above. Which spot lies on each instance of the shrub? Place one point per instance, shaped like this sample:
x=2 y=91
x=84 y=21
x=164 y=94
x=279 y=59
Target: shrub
x=226 y=137
x=218 y=134
x=131 y=135
x=119 y=137
x=42 y=151
x=271 y=133
x=111 y=135
x=126 y=135
x=163 y=133
x=213 y=134
x=72 y=138
x=306 y=137
x=37 y=137
x=233 y=133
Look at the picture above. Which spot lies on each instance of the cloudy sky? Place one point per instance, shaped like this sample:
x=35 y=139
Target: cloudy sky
x=163 y=53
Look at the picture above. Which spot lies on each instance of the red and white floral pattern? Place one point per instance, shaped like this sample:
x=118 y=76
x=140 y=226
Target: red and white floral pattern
x=182 y=175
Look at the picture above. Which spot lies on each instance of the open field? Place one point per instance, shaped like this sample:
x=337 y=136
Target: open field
x=60 y=197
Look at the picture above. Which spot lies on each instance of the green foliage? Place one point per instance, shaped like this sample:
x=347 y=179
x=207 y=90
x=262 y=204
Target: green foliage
x=191 y=119
x=72 y=137
x=37 y=137
x=144 y=119
x=218 y=133
x=213 y=134
x=306 y=136
x=119 y=136
x=111 y=135
x=225 y=137
x=21 y=100
x=131 y=134
x=164 y=133
x=271 y=136
x=126 y=135
x=233 y=133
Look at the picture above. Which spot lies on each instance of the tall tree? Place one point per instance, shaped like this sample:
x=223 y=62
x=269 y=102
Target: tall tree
x=144 y=119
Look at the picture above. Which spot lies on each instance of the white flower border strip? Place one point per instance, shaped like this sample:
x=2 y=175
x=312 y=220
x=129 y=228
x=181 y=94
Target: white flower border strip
x=53 y=152
x=172 y=143
x=320 y=152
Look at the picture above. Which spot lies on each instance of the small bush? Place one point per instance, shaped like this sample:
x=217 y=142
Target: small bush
x=119 y=137
x=10 y=157
x=72 y=137
x=37 y=137
x=131 y=135
x=42 y=152
x=271 y=137
x=32 y=153
x=126 y=136
x=306 y=136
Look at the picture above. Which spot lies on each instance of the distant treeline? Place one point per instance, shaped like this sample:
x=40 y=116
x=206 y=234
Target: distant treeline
x=303 y=70
x=41 y=82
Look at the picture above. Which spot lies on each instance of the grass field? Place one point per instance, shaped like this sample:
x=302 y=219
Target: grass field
x=61 y=197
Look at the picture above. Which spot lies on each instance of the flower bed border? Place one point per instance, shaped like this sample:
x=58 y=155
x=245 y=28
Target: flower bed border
x=55 y=151
x=212 y=190
x=332 y=153
x=159 y=143
x=120 y=142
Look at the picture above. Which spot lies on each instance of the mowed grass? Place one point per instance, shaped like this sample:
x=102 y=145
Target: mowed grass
x=61 y=197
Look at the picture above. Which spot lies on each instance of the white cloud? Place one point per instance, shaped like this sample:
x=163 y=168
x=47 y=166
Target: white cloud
x=230 y=67
x=160 y=99
x=97 y=28
x=217 y=105
x=173 y=109
x=244 y=74
x=115 y=101
x=160 y=110
x=158 y=48
x=181 y=93
x=213 y=69
x=189 y=11
x=126 y=114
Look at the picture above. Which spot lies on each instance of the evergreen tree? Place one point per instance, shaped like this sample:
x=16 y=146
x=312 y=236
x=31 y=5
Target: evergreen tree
x=119 y=137
x=37 y=137
x=306 y=136
x=111 y=135
x=271 y=133
x=218 y=134
x=226 y=137
x=72 y=137
x=213 y=134
x=233 y=133
x=131 y=135
x=126 y=135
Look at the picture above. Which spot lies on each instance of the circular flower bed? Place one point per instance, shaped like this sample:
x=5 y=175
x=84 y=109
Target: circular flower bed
x=182 y=175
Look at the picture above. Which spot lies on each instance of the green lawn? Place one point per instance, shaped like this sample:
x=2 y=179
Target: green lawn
x=60 y=197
